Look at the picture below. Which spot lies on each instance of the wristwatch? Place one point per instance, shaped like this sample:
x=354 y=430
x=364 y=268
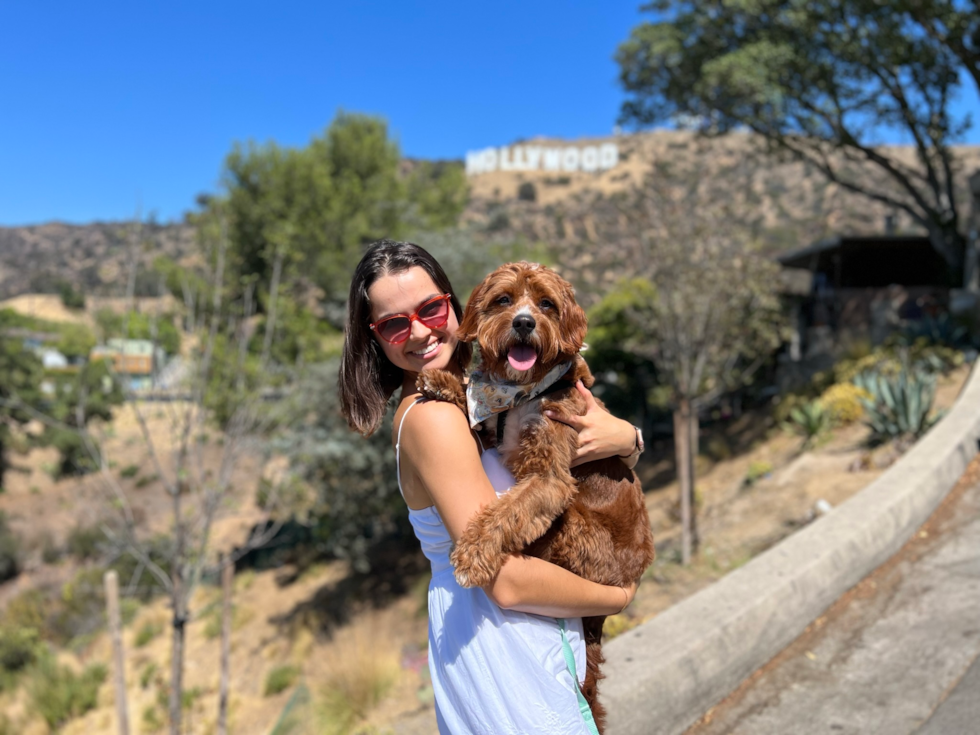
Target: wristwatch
x=637 y=447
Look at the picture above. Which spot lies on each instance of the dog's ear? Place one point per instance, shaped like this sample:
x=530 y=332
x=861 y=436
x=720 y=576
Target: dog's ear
x=468 y=327
x=574 y=323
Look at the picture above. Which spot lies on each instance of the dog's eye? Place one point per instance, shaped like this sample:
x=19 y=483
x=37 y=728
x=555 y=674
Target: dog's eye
x=503 y=301
x=547 y=304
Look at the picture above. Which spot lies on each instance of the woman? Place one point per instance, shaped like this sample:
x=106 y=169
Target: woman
x=496 y=654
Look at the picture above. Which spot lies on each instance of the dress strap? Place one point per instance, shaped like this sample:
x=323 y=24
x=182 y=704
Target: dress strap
x=583 y=706
x=398 y=445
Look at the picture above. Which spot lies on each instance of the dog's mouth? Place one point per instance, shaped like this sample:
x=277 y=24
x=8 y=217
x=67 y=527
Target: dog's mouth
x=522 y=357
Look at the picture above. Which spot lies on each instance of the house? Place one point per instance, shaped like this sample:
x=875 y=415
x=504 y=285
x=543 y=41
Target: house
x=862 y=286
x=135 y=361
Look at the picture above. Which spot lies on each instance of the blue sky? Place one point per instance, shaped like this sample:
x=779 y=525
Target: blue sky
x=110 y=106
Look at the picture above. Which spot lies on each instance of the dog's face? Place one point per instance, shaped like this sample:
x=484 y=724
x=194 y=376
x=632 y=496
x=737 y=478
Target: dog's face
x=526 y=320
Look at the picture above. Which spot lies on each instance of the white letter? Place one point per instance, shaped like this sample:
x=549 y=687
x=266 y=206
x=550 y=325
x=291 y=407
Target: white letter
x=569 y=159
x=533 y=154
x=590 y=158
x=490 y=159
x=519 y=164
x=552 y=159
x=505 y=164
x=474 y=162
x=608 y=155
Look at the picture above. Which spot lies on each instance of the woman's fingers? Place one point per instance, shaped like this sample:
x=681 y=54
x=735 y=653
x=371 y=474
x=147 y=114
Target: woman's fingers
x=577 y=422
x=571 y=419
x=590 y=402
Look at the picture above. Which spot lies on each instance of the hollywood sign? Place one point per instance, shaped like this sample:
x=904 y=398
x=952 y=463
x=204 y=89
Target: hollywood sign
x=541 y=158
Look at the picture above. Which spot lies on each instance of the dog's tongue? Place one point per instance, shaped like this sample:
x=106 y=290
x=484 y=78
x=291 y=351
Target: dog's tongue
x=522 y=357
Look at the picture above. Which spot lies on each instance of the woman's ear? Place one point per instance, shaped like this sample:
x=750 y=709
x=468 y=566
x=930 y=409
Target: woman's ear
x=468 y=326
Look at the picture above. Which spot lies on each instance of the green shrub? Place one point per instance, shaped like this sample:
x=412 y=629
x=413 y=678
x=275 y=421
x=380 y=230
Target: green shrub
x=80 y=609
x=145 y=480
x=29 y=609
x=147 y=632
x=527 y=192
x=71 y=297
x=280 y=679
x=130 y=470
x=58 y=694
x=50 y=551
x=756 y=471
x=9 y=554
x=148 y=674
x=85 y=542
x=19 y=647
x=843 y=402
x=151 y=719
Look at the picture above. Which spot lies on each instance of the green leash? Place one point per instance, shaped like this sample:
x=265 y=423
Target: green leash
x=583 y=706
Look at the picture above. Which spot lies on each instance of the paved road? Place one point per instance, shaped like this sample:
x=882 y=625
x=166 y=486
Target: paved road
x=897 y=655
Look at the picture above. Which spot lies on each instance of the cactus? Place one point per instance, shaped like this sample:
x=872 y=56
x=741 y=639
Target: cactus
x=899 y=406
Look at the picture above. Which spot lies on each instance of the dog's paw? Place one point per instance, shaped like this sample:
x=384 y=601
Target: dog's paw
x=440 y=385
x=473 y=567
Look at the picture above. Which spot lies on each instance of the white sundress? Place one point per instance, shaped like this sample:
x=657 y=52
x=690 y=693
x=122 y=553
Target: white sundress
x=494 y=671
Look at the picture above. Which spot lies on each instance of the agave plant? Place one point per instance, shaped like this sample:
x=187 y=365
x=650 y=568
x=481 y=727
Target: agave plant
x=939 y=330
x=810 y=421
x=899 y=406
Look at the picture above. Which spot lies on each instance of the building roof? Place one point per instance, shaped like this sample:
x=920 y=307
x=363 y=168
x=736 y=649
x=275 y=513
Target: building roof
x=872 y=261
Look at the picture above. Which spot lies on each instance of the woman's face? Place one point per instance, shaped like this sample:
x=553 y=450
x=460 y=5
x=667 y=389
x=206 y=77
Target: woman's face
x=403 y=293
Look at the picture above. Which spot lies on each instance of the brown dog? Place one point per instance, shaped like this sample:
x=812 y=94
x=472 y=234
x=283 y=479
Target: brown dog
x=590 y=519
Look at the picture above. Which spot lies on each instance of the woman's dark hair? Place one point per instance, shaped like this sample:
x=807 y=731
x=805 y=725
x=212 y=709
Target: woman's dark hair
x=367 y=378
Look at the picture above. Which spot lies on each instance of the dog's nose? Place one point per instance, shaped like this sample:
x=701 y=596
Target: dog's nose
x=523 y=324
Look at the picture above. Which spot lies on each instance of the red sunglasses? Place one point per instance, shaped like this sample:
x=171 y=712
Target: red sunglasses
x=395 y=329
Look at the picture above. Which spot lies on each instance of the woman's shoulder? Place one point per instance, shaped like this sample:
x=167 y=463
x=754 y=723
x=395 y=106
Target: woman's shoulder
x=426 y=421
x=434 y=412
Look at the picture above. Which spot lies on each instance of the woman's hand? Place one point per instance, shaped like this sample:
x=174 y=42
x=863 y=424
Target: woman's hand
x=600 y=434
x=630 y=594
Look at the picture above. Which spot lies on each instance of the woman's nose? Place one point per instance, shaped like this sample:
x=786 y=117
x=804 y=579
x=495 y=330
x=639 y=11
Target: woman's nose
x=419 y=330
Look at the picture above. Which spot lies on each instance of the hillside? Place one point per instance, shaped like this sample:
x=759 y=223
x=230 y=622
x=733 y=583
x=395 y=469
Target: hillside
x=91 y=257
x=791 y=204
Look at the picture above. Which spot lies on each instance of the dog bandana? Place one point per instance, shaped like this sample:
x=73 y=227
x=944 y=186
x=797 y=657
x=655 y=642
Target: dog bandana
x=486 y=396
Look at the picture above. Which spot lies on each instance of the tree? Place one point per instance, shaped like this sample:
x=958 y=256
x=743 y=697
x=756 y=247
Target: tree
x=701 y=304
x=20 y=382
x=299 y=217
x=76 y=399
x=818 y=80
x=352 y=482
x=197 y=490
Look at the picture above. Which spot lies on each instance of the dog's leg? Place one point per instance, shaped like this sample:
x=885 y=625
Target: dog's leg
x=544 y=490
x=442 y=385
x=507 y=525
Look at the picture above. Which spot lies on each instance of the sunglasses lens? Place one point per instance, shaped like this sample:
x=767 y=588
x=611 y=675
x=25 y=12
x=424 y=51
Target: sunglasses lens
x=435 y=313
x=395 y=329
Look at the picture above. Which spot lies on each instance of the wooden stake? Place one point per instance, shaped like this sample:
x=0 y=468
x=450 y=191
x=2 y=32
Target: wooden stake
x=227 y=578
x=111 y=580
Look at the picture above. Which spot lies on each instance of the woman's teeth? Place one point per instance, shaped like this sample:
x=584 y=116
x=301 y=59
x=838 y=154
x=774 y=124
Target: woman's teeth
x=426 y=350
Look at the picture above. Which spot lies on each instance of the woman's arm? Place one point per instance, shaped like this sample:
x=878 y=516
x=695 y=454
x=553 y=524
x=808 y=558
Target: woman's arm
x=531 y=585
x=600 y=434
x=438 y=451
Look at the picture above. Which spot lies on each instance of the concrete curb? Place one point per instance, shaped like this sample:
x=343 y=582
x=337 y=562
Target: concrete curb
x=663 y=675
